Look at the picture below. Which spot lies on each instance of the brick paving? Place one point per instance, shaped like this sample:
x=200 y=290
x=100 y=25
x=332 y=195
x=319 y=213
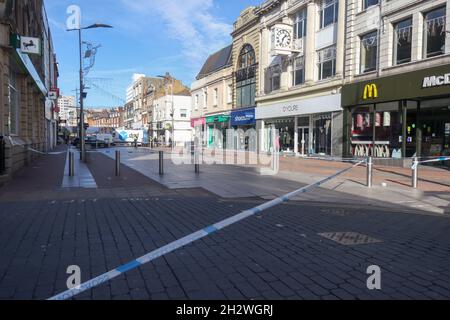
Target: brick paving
x=278 y=254
x=431 y=179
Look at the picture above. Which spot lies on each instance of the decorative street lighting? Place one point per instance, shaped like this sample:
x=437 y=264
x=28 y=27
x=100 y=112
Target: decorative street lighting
x=82 y=93
x=168 y=78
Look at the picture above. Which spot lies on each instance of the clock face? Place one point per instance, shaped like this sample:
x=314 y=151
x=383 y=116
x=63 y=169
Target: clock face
x=283 y=38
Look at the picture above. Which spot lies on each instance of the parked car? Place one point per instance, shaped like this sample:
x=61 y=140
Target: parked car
x=91 y=141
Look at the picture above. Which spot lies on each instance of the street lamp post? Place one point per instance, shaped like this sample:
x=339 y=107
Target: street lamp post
x=172 y=108
x=82 y=93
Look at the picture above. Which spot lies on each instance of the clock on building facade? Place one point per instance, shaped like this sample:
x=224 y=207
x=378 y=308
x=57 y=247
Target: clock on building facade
x=282 y=39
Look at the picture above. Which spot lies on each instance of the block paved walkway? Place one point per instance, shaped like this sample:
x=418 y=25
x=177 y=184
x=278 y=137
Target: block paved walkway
x=230 y=181
x=287 y=252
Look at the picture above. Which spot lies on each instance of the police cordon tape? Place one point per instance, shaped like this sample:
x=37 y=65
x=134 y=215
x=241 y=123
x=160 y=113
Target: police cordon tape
x=46 y=153
x=440 y=159
x=191 y=238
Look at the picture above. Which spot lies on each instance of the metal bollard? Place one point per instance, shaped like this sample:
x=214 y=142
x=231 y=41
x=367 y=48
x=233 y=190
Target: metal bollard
x=369 y=172
x=71 y=164
x=117 y=163
x=415 y=173
x=161 y=163
x=197 y=162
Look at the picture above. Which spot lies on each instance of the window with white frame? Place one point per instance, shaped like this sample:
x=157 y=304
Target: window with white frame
x=402 y=41
x=328 y=13
x=434 y=33
x=326 y=62
x=369 y=3
x=298 y=73
x=13 y=97
x=196 y=100
x=275 y=77
x=369 y=52
x=230 y=94
x=216 y=97
x=300 y=24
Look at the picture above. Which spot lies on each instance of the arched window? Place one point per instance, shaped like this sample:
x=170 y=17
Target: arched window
x=246 y=77
x=247 y=57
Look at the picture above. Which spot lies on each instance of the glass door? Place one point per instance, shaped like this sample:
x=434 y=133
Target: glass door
x=303 y=141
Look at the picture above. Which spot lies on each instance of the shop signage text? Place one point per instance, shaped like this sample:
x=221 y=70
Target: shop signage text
x=436 y=81
x=243 y=117
x=290 y=108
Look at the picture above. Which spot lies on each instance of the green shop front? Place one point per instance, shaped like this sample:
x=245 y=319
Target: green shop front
x=399 y=116
x=217 y=130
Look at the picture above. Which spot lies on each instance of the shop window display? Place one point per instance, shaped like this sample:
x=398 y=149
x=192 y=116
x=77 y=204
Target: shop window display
x=434 y=127
x=322 y=134
x=387 y=130
x=285 y=129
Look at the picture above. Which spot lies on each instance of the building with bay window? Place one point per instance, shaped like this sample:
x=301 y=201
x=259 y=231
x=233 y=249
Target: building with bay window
x=396 y=98
x=302 y=71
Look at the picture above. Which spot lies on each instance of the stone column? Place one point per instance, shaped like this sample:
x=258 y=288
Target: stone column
x=417 y=36
x=340 y=42
x=310 y=46
x=264 y=60
x=296 y=137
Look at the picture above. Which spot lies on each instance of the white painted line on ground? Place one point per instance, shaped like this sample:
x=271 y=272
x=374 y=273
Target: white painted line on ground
x=190 y=239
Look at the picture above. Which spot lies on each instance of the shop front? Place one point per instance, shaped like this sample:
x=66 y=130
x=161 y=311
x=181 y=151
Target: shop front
x=199 y=126
x=306 y=127
x=242 y=121
x=214 y=124
x=399 y=116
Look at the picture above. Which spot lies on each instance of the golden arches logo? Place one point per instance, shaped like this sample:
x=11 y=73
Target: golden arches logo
x=370 y=91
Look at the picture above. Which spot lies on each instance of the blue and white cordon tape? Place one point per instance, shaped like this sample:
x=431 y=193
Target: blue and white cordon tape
x=440 y=159
x=190 y=239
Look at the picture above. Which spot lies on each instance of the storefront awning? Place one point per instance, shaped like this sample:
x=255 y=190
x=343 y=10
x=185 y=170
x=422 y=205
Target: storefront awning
x=416 y=85
x=28 y=66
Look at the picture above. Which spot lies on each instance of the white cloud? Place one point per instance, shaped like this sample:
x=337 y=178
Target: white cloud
x=190 y=22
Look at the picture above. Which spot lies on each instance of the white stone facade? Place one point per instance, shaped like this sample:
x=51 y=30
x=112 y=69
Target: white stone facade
x=383 y=17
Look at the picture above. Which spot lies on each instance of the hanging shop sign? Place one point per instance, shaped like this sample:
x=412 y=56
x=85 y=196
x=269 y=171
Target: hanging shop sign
x=243 y=117
x=30 y=45
x=53 y=94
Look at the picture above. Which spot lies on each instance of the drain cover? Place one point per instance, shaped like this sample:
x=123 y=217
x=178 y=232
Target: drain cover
x=349 y=238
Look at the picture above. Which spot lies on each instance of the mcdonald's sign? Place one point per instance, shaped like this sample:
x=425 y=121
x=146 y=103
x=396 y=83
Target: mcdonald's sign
x=370 y=91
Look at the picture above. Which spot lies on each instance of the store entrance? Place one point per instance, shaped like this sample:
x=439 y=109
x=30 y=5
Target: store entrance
x=322 y=134
x=429 y=130
x=303 y=141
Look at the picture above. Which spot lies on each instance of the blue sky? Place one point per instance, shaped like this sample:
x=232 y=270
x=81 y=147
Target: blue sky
x=149 y=36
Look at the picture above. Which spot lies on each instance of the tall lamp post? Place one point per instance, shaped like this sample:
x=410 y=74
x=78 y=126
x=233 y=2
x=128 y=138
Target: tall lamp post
x=82 y=93
x=168 y=78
